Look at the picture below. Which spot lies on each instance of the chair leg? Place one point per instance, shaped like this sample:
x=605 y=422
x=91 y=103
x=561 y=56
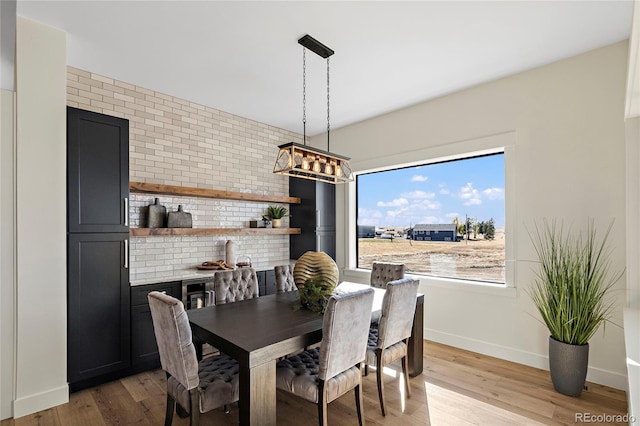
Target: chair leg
x=226 y=409
x=379 y=368
x=168 y=416
x=171 y=405
x=322 y=404
x=195 y=407
x=405 y=371
x=366 y=370
x=359 y=403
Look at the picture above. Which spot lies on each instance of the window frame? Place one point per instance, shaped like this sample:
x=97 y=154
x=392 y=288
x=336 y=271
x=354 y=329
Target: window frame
x=498 y=143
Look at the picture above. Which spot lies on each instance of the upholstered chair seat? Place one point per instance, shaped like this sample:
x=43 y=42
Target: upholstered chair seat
x=284 y=278
x=198 y=387
x=235 y=285
x=321 y=375
x=389 y=341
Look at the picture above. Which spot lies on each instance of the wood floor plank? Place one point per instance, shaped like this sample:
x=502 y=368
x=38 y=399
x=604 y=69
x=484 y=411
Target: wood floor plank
x=116 y=404
x=80 y=411
x=457 y=387
x=41 y=418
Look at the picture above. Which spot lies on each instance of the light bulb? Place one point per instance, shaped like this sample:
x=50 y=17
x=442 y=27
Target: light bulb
x=305 y=163
x=338 y=171
x=328 y=169
x=316 y=166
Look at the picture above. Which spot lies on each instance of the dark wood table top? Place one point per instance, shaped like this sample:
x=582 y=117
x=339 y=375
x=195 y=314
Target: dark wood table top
x=261 y=329
x=265 y=328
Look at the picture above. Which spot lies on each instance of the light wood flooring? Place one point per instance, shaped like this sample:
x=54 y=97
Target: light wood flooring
x=457 y=388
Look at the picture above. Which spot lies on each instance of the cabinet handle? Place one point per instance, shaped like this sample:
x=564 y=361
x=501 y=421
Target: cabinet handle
x=126 y=211
x=126 y=254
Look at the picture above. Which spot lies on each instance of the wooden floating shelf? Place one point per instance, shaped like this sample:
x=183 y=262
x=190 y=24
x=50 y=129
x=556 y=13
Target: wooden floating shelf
x=156 y=188
x=151 y=232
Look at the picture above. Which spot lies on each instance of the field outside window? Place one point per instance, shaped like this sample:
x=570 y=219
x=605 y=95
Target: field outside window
x=443 y=219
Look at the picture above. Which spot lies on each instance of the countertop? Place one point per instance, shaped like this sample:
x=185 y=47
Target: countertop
x=193 y=273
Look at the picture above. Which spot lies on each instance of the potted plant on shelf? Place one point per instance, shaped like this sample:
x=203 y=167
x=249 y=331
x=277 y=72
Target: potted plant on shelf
x=570 y=292
x=276 y=213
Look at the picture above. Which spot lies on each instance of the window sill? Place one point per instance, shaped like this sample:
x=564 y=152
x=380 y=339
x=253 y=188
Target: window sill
x=500 y=290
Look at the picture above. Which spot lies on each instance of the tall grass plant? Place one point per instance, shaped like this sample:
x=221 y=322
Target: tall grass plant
x=573 y=281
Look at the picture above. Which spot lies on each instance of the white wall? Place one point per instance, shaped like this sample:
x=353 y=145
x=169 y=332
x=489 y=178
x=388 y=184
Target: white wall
x=7 y=225
x=566 y=161
x=632 y=313
x=7 y=247
x=41 y=308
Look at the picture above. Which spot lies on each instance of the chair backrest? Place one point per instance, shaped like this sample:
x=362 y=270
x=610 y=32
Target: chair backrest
x=382 y=273
x=398 y=309
x=284 y=278
x=173 y=334
x=345 y=329
x=235 y=285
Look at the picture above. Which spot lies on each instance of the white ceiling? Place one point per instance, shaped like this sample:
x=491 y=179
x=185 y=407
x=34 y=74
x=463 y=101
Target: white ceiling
x=243 y=57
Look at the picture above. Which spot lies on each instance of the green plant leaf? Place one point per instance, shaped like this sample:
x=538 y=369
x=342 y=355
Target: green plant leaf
x=573 y=281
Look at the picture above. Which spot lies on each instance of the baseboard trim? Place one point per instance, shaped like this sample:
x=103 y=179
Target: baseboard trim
x=41 y=401
x=595 y=375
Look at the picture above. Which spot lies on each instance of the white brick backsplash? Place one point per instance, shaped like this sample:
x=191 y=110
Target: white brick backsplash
x=177 y=142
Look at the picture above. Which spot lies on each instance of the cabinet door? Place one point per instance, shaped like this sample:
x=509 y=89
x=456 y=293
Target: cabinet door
x=262 y=283
x=326 y=206
x=315 y=216
x=97 y=172
x=98 y=305
x=144 y=348
x=270 y=281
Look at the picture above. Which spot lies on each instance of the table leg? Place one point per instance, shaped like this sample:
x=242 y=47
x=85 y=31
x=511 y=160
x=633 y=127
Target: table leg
x=257 y=403
x=414 y=354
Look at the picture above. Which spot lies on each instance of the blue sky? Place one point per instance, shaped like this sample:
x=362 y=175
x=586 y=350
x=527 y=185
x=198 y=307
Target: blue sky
x=434 y=193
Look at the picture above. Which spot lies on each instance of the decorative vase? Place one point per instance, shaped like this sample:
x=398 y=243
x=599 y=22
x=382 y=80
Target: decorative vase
x=179 y=219
x=276 y=223
x=568 y=366
x=230 y=252
x=156 y=215
x=316 y=265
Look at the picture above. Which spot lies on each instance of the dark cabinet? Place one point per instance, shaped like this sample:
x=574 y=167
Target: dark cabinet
x=97 y=172
x=144 y=348
x=98 y=306
x=315 y=216
x=266 y=282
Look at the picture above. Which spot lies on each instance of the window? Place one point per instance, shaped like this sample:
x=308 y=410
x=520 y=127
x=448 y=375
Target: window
x=448 y=218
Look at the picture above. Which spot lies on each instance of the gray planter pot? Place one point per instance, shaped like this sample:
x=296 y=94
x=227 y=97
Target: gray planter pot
x=568 y=366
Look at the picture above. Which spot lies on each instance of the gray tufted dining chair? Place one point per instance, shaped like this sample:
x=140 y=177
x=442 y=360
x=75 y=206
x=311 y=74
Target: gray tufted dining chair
x=382 y=273
x=389 y=341
x=323 y=374
x=235 y=285
x=197 y=387
x=284 y=278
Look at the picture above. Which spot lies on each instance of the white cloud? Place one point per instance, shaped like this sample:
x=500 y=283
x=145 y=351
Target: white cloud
x=418 y=194
x=369 y=216
x=494 y=193
x=469 y=195
x=398 y=202
x=419 y=178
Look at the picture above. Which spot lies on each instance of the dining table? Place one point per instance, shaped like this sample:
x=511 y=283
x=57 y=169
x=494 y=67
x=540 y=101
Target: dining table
x=257 y=332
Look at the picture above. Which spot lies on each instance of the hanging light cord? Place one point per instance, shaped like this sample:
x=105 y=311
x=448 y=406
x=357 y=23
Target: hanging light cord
x=304 y=95
x=328 y=122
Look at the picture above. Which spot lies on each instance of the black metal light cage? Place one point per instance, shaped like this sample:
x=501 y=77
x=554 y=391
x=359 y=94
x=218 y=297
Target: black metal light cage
x=302 y=161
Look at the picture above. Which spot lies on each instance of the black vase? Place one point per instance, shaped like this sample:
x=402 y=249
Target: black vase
x=568 y=366
x=156 y=215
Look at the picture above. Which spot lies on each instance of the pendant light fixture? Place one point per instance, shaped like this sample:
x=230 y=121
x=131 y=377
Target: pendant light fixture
x=300 y=160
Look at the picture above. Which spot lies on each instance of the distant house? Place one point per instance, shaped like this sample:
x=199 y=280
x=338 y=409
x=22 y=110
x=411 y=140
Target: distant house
x=433 y=232
x=366 y=231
